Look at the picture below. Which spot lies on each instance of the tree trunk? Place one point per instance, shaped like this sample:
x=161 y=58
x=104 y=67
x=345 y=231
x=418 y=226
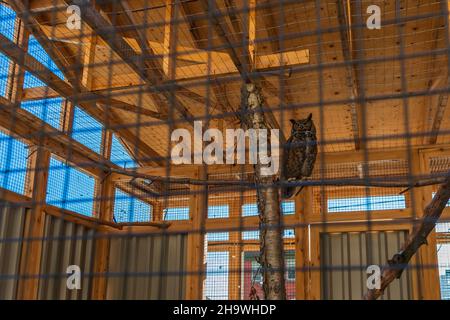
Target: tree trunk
x=271 y=241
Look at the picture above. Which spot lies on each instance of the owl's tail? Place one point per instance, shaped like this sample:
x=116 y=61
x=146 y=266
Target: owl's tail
x=289 y=192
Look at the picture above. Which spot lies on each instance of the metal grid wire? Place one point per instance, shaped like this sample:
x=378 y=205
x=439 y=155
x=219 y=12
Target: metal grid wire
x=97 y=103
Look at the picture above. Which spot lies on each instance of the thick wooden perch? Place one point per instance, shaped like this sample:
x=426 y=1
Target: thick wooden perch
x=417 y=238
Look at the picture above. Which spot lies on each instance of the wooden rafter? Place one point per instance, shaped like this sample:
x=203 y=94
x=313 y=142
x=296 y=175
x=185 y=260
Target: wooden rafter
x=32 y=129
x=30 y=64
x=442 y=100
x=71 y=72
x=145 y=68
x=277 y=46
x=37 y=93
x=217 y=90
x=351 y=75
x=238 y=54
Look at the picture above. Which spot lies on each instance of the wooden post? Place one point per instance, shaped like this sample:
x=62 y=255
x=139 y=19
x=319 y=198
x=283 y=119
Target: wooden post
x=105 y=205
x=196 y=240
x=303 y=208
x=427 y=256
x=169 y=39
x=36 y=188
x=102 y=241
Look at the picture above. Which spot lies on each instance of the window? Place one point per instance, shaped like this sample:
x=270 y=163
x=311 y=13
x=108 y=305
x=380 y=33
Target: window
x=13 y=163
x=254 y=235
x=218 y=212
x=87 y=130
x=216 y=283
x=7 y=21
x=443 y=253
x=48 y=110
x=130 y=209
x=69 y=188
x=4 y=74
x=367 y=203
x=250 y=235
x=256 y=272
x=178 y=213
x=289 y=234
x=288 y=207
x=251 y=209
x=120 y=156
x=251 y=274
x=217 y=236
x=37 y=52
x=289 y=261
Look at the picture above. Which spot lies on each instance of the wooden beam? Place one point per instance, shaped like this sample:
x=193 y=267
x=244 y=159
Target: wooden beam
x=238 y=54
x=169 y=47
x=63 y=63
x=442 y=100
x=351 y=75
x=196 y=241
x=37 y=93
x=106 y=192
x=17 y=74
x=30 y=261
x=277 y=46
x=23 y=124
x=303 y=210
x=148 y=70
x=66 y=90
x=442 y=103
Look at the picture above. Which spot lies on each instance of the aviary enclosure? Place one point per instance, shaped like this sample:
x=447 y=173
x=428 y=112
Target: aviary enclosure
x=224 y=149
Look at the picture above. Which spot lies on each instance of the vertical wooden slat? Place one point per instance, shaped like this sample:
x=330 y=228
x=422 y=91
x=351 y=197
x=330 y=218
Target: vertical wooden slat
x=102 y=241
x=303 y=210
x=195 y=250
x=31 y=254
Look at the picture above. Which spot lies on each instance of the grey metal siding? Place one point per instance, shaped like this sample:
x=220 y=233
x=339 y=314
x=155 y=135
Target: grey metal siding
x=12 y=224
x=147 y=267
x=65 y=243
x=346 y=256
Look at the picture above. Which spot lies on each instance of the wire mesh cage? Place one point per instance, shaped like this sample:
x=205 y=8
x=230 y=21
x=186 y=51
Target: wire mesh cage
x=127 y=169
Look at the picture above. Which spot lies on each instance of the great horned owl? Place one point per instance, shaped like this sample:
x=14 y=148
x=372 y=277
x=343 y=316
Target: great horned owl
x=299 y=153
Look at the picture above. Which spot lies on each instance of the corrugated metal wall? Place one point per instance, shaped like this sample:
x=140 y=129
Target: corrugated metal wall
x=147 y=267
x=65 y=244
x=12 y=223
x=346 y=256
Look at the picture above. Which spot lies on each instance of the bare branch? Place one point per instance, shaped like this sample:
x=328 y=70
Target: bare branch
x=416 y=239
x=382 y=182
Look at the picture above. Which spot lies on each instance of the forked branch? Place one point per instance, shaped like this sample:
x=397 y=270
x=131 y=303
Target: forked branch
x=417 y=238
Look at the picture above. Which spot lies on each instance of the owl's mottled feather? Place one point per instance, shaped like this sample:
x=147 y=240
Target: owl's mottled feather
x=299 y=154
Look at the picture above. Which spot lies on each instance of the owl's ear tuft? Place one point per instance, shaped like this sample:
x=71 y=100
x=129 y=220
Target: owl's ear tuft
x=309 y=117
x=292 y=121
